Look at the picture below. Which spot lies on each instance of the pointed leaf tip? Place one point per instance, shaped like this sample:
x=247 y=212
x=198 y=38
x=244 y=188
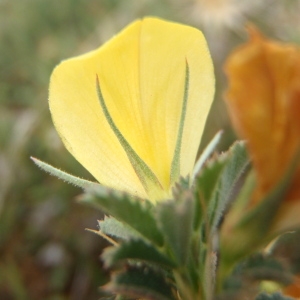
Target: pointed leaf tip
x=79 y=182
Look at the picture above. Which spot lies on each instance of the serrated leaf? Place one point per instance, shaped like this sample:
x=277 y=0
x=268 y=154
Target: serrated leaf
x=132 y=211
x=175 y=219
x=226 y=189
x=275 y=296
x=141 y=282
x=79 y=182
x=205 y=185
x=137 y=250
x=287 y=248
x=209 y=149
x=250 y=229
x=114 y=228
x=256 y=269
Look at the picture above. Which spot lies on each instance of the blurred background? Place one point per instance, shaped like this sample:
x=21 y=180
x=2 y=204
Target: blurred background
x=45 y=251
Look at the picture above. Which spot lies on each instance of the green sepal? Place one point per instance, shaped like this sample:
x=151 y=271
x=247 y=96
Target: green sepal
x=140 y=281
x=205 y=185
x=175 y=166
x=214 y=190
x=115 y=297
x=216 y=185
x=79 y=182
x=175 y=219
x=148 y=179
x=259 y=267
x=247 y=293
x=226 y=188
x=133 y=211
x=181 y=187
x=248 y=275
x=287 y=247
x=136 y=250
x=251 y=228
x=114 y=228
x=207 y=152
x=275 y=296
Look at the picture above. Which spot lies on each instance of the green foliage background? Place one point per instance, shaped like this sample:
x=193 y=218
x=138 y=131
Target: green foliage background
x=45 y=253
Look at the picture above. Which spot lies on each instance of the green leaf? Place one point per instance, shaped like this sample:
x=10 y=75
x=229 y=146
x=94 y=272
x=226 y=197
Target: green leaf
x=258 y=268
x=205 y=185
x=175 y=166
x=214 y=190
x=175 y=219
x=181 y=188
x=141 y=282
x=275 y=296
x=287 y=248
x=137 y=250
x=79 y=182
x=114 y=228
x=209 y=149
x=252 y=228
x=132 y=211
x=115 y=297
x=226 y=189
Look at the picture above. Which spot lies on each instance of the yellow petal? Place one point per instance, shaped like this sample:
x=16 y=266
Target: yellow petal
x=142 y=73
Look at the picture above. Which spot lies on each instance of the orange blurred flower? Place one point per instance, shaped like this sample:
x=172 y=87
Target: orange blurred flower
x=293 y=289
x=264 y=105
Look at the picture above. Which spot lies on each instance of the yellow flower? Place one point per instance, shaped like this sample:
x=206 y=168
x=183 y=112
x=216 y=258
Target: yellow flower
x=264 y=105
x=133 y=111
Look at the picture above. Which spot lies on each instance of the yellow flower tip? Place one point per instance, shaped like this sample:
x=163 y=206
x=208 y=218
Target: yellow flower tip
x=139 y=127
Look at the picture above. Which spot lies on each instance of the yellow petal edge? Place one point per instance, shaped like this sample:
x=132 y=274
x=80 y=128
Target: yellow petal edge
x=142 y=72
